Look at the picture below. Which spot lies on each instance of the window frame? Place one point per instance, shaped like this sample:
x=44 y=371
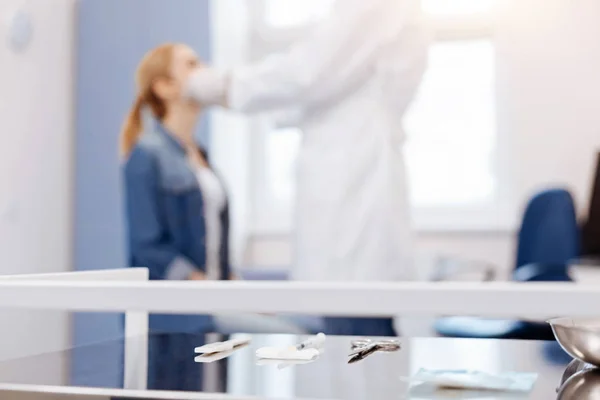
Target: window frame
x=270 y=217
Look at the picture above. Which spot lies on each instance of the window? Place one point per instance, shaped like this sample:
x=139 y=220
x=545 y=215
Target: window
x=460 y=141
x=452 y=149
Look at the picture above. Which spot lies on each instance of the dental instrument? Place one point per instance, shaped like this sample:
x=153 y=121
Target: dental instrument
x=219 y=347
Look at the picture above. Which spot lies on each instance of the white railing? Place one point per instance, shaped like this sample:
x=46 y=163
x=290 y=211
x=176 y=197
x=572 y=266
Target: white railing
x=492 y=299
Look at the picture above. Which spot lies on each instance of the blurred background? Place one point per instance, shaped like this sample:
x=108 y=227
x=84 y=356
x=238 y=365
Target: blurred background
x=508 y=107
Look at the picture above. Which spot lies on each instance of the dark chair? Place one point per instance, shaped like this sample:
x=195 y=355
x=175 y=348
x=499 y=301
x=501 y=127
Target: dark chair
x=590 y=230
x=548 y=240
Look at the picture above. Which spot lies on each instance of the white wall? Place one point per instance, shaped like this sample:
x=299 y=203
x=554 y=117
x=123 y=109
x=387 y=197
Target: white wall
x=36 y=159
x=549 y=95
x=549 y=58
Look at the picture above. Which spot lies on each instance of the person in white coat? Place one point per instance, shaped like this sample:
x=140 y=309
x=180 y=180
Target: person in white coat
x=351 y=80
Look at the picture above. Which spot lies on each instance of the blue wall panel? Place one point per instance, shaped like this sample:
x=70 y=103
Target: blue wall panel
x=112 y=37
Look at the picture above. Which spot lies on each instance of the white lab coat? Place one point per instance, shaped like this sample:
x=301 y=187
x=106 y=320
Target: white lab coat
x=351 y=81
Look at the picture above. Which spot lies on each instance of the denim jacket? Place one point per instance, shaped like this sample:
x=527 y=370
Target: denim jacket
x=165 y=218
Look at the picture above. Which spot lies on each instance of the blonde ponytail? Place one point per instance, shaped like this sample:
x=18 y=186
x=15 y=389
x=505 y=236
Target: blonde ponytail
x=132 y=129
x=156 y=64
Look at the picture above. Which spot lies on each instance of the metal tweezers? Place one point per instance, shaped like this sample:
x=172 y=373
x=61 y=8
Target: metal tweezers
x=363 y=348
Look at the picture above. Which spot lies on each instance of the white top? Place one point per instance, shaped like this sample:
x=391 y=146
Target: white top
x=214 y=203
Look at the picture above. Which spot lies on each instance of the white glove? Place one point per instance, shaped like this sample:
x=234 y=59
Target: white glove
x=208 y=86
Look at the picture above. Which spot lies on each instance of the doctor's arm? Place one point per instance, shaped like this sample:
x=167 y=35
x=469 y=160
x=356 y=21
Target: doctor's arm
x=145 y=229
x=338 y=54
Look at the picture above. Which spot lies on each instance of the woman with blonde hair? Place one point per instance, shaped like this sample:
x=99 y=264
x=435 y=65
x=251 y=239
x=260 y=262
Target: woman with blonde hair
x=176 y=206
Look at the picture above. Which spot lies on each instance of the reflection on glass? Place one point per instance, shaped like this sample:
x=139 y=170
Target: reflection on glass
x=266 y=381
x=485 y=356
x=451 y=127
x=238 y=381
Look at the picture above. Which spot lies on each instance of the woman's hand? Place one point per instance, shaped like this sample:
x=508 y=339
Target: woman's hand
x=197 y=276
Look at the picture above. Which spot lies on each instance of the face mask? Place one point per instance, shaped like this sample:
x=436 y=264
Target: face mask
x=207 y=86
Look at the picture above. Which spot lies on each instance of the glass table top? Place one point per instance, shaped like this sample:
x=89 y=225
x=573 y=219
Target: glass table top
x=172 y=367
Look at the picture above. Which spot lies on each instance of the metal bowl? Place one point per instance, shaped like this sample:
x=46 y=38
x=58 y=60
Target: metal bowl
x=583 y=385
x=580 y=338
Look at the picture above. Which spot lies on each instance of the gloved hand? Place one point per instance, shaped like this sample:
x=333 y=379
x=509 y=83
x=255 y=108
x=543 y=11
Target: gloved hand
x=208 y=86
